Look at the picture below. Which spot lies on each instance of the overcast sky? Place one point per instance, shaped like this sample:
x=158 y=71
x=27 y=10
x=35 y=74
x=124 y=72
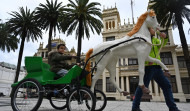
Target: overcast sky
x=123 y=6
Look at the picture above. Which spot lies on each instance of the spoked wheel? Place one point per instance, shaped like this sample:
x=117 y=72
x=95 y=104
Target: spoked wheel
x=58 y=102
x=76 y=100
x=27 y=96
x=101 y=100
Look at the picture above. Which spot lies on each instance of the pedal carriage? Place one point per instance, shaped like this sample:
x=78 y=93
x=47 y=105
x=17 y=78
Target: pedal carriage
x=68 y=92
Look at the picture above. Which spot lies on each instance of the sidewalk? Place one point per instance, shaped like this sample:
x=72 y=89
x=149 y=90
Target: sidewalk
x=111 y=106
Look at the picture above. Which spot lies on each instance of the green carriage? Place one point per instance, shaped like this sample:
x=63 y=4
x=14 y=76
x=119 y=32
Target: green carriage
x=68 y=92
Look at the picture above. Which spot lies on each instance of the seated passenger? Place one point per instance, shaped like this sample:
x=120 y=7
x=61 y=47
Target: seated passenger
x=57 y=61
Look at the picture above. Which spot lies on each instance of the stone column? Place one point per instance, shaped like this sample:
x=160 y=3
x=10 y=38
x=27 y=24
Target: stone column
x=156 y=96
x=116 y=24
x=104 y=25
x=150 y=87
x=178 y=77
x=117 y=74
x=128 y=86
x=156 y=88
x=104 y=81
x=122 y=83
x=109 y=25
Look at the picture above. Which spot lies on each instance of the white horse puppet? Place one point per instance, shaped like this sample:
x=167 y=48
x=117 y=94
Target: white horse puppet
x=139 y=46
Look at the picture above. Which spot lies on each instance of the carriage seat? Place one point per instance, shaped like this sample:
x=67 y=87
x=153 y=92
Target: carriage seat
x=38 y=70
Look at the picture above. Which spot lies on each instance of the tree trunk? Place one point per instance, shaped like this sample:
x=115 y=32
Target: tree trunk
x=19 y=59
x=50 y=37
x=79 y=41
x=183 y=43
x=49 y=40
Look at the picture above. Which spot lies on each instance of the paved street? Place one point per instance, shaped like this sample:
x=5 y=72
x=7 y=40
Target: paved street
x=111 y=106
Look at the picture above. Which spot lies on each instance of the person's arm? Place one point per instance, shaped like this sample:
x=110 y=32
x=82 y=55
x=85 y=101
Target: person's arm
x=59 y=57
x=164 y=39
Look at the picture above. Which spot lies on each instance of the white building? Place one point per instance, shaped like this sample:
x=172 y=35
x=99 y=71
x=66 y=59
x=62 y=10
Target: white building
x=7 y=75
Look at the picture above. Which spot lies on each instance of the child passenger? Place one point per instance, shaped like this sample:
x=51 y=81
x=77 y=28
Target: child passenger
x=58 y=62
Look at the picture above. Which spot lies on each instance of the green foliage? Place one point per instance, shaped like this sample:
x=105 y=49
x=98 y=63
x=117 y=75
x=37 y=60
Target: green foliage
x=167 y=10
x=48 y=16
x=23 y=24
x=7 y=41
x=84 y=12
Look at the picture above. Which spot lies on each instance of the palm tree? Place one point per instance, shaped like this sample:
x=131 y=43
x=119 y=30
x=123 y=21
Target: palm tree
x=48 y=15
x=173 y=11
x=7 y=41
x=24 y=25
x=80 y=16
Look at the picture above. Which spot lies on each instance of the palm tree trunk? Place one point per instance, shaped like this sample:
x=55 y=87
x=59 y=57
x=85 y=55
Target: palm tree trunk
x=183 y=43
x=19 y=59
x=49 y=40
x=79 y=41
x=50 y=37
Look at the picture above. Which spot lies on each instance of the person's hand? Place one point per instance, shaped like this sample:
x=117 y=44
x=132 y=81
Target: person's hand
x=157 y=29
x=78 y=64
x=163 y=35
x=167 y=73
x=150 y=63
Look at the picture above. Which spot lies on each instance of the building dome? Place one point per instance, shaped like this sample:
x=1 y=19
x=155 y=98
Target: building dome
x=52 y=45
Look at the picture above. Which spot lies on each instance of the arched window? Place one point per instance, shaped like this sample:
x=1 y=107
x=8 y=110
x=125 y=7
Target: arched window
x=113 y=24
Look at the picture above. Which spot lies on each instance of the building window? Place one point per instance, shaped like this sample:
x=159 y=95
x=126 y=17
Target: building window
x=42 y=55
x=166 y=58
x=153 y=90
x=110 y=38
x=133 y=80
x=120 y=82
x=125 y=82
x=98 y=85
x=185 y=85
x=113 y=24
x=106 y=25
x=173 y=83
x=46 y=54
x=181 y=62
x=124 y=64
x=133 y=61
x=119 y=62
x=109 y=86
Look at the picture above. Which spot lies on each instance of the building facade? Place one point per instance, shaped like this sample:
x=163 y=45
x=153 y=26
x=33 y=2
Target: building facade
x=7 y=76
x=127 y=68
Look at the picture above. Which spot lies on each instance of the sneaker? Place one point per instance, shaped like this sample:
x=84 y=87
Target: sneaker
x=136 y=109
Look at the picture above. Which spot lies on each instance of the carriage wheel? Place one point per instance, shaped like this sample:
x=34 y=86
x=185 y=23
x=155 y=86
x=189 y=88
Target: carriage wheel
x=58 y=102
x=101 y=100
x=77 y=100
x=27 y=96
